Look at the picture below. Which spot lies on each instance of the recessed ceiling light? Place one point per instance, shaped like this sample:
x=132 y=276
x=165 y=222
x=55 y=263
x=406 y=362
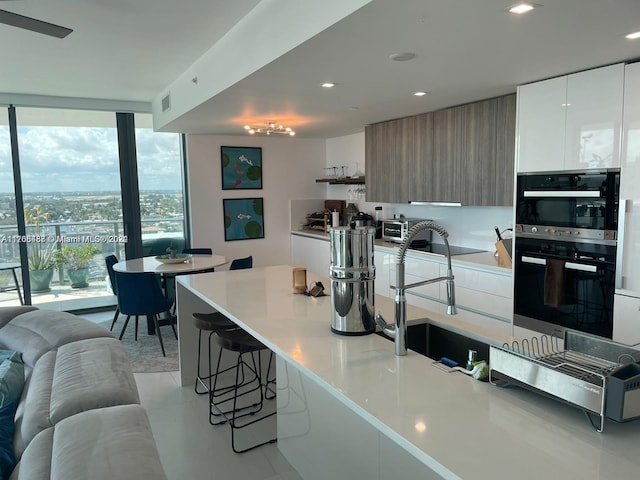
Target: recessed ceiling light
x=402 y=57
x=521 y=8
x=328 y=85
x=633 y=36
x=420 y=94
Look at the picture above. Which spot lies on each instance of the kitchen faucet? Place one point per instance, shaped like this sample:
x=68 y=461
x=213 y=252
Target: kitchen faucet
x=399 y=331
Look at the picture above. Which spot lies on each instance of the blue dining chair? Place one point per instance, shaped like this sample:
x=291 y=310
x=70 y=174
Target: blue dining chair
x=198 y=251
x=111 y=260
x=141 y=294
x=241 y=263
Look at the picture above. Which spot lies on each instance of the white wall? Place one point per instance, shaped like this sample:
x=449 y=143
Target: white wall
x=467 y=226
x=289 y=169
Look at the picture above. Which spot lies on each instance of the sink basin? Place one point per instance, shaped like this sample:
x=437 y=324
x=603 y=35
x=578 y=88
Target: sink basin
x=436 y=342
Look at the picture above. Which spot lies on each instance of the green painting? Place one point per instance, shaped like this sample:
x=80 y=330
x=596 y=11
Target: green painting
x=241 y=168
x=243 y=218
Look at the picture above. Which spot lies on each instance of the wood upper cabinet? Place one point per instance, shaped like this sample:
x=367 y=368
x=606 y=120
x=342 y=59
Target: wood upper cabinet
x=488 y=157
x=390 y=149
x=462 y=155
x=446 y=156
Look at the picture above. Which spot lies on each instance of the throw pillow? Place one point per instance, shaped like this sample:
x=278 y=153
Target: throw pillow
x=4 y=354
x=11 y=377
x=7 y=458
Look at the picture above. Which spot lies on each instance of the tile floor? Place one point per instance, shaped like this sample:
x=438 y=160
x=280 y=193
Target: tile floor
x=189 y=446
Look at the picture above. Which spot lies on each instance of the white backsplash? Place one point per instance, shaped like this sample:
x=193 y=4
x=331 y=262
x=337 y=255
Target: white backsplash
x=467 y=226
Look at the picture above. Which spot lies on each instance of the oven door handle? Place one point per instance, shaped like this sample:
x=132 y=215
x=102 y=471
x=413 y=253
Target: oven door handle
x=568 y=265
x=581 y=267
x=534 y=260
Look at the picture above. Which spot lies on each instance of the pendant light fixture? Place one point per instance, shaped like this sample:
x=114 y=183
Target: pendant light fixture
x=269 y=128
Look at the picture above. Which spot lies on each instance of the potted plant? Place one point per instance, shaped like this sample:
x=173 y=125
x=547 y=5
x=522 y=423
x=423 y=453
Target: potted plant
x=40 y=253
x=76 y=261
x=172 y=250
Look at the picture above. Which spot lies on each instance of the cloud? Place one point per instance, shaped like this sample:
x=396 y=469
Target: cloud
x=61 y=159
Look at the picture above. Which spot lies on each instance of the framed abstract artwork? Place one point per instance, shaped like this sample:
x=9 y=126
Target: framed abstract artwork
x=241 y=168
x=243 y=218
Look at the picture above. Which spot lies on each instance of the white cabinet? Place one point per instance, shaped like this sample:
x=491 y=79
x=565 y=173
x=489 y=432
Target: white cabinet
x=540 y=128
x=629 y=243
x=594 y=118
x=312 y=254
x=571 y=122
x=626 y=307
x=483 y=298
x=626 y=320
x=417 y=270
x=383 y=261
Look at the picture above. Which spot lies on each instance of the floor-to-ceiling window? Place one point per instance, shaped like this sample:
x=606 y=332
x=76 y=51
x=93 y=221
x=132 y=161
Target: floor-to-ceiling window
x=70 y=171
x=9 y=250
x=161 y=187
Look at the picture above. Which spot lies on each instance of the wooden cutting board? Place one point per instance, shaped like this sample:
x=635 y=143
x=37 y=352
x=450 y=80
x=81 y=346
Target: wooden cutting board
x=338 y=205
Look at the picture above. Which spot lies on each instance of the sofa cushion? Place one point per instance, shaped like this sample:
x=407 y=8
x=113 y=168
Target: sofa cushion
x=7 y=458
x=9 y=313
x=79 y=376
x=36 y=332
x=103 y=444
x=11 y=377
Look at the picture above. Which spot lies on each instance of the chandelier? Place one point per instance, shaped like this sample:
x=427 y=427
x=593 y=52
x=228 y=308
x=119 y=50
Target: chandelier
x=269 y=128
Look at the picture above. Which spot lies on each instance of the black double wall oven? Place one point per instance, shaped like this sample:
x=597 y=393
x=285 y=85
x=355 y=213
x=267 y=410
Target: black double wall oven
x=565 y=251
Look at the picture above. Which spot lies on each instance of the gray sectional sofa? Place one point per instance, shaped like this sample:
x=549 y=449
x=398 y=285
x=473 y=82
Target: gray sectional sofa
x=78 y=415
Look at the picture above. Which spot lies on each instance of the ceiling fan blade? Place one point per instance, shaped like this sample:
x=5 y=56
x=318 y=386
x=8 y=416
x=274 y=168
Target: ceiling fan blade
x=34 y=25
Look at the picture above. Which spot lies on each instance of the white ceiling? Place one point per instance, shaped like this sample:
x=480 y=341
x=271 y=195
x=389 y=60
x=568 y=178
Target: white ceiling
x=466 y=50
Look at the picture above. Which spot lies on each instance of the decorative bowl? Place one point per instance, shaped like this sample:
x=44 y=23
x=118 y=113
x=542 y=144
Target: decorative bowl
x=180 y=258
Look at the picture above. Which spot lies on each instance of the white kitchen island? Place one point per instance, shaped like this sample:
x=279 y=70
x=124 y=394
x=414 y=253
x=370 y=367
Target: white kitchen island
x=348 y=408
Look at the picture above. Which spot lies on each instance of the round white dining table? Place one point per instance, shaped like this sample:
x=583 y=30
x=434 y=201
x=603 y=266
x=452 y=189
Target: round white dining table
x=195 y=264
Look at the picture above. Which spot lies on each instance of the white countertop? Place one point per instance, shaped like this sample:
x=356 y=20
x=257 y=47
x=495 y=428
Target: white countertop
x=459 y=426
x=484 y=260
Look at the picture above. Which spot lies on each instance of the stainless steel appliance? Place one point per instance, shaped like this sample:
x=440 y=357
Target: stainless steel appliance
x=565 y=252
x=352 y=274
x=395 y=230
x=362 y=219
x=595 y=374
x=576 y=205
x=560 y=285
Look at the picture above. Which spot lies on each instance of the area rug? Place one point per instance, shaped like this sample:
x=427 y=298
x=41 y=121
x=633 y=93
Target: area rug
x=145 y=353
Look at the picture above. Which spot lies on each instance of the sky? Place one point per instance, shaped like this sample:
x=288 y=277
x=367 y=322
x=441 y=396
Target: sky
x=67 y=159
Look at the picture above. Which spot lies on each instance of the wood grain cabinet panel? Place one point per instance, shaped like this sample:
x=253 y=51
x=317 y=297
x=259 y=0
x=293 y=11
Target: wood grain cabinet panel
x=458 y=155
x=488 y=161
x=389 y=149
x=447 y=156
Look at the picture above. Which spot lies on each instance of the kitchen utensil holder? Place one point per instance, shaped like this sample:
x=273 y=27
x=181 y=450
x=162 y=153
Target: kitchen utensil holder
x=504 y=259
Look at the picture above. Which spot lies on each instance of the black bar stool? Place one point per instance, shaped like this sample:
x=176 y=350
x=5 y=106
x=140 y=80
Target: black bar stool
x=212 y=323
x=242 y=343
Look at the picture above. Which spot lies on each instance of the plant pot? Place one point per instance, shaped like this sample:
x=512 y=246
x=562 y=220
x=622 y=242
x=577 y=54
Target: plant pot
x=78 y=278
x=40 y=280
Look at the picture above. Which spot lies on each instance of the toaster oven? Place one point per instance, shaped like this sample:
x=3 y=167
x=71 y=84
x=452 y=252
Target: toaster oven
x=395 y=230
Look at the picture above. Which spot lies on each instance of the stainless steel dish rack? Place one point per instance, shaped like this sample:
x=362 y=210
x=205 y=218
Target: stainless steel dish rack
x=599 y=376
